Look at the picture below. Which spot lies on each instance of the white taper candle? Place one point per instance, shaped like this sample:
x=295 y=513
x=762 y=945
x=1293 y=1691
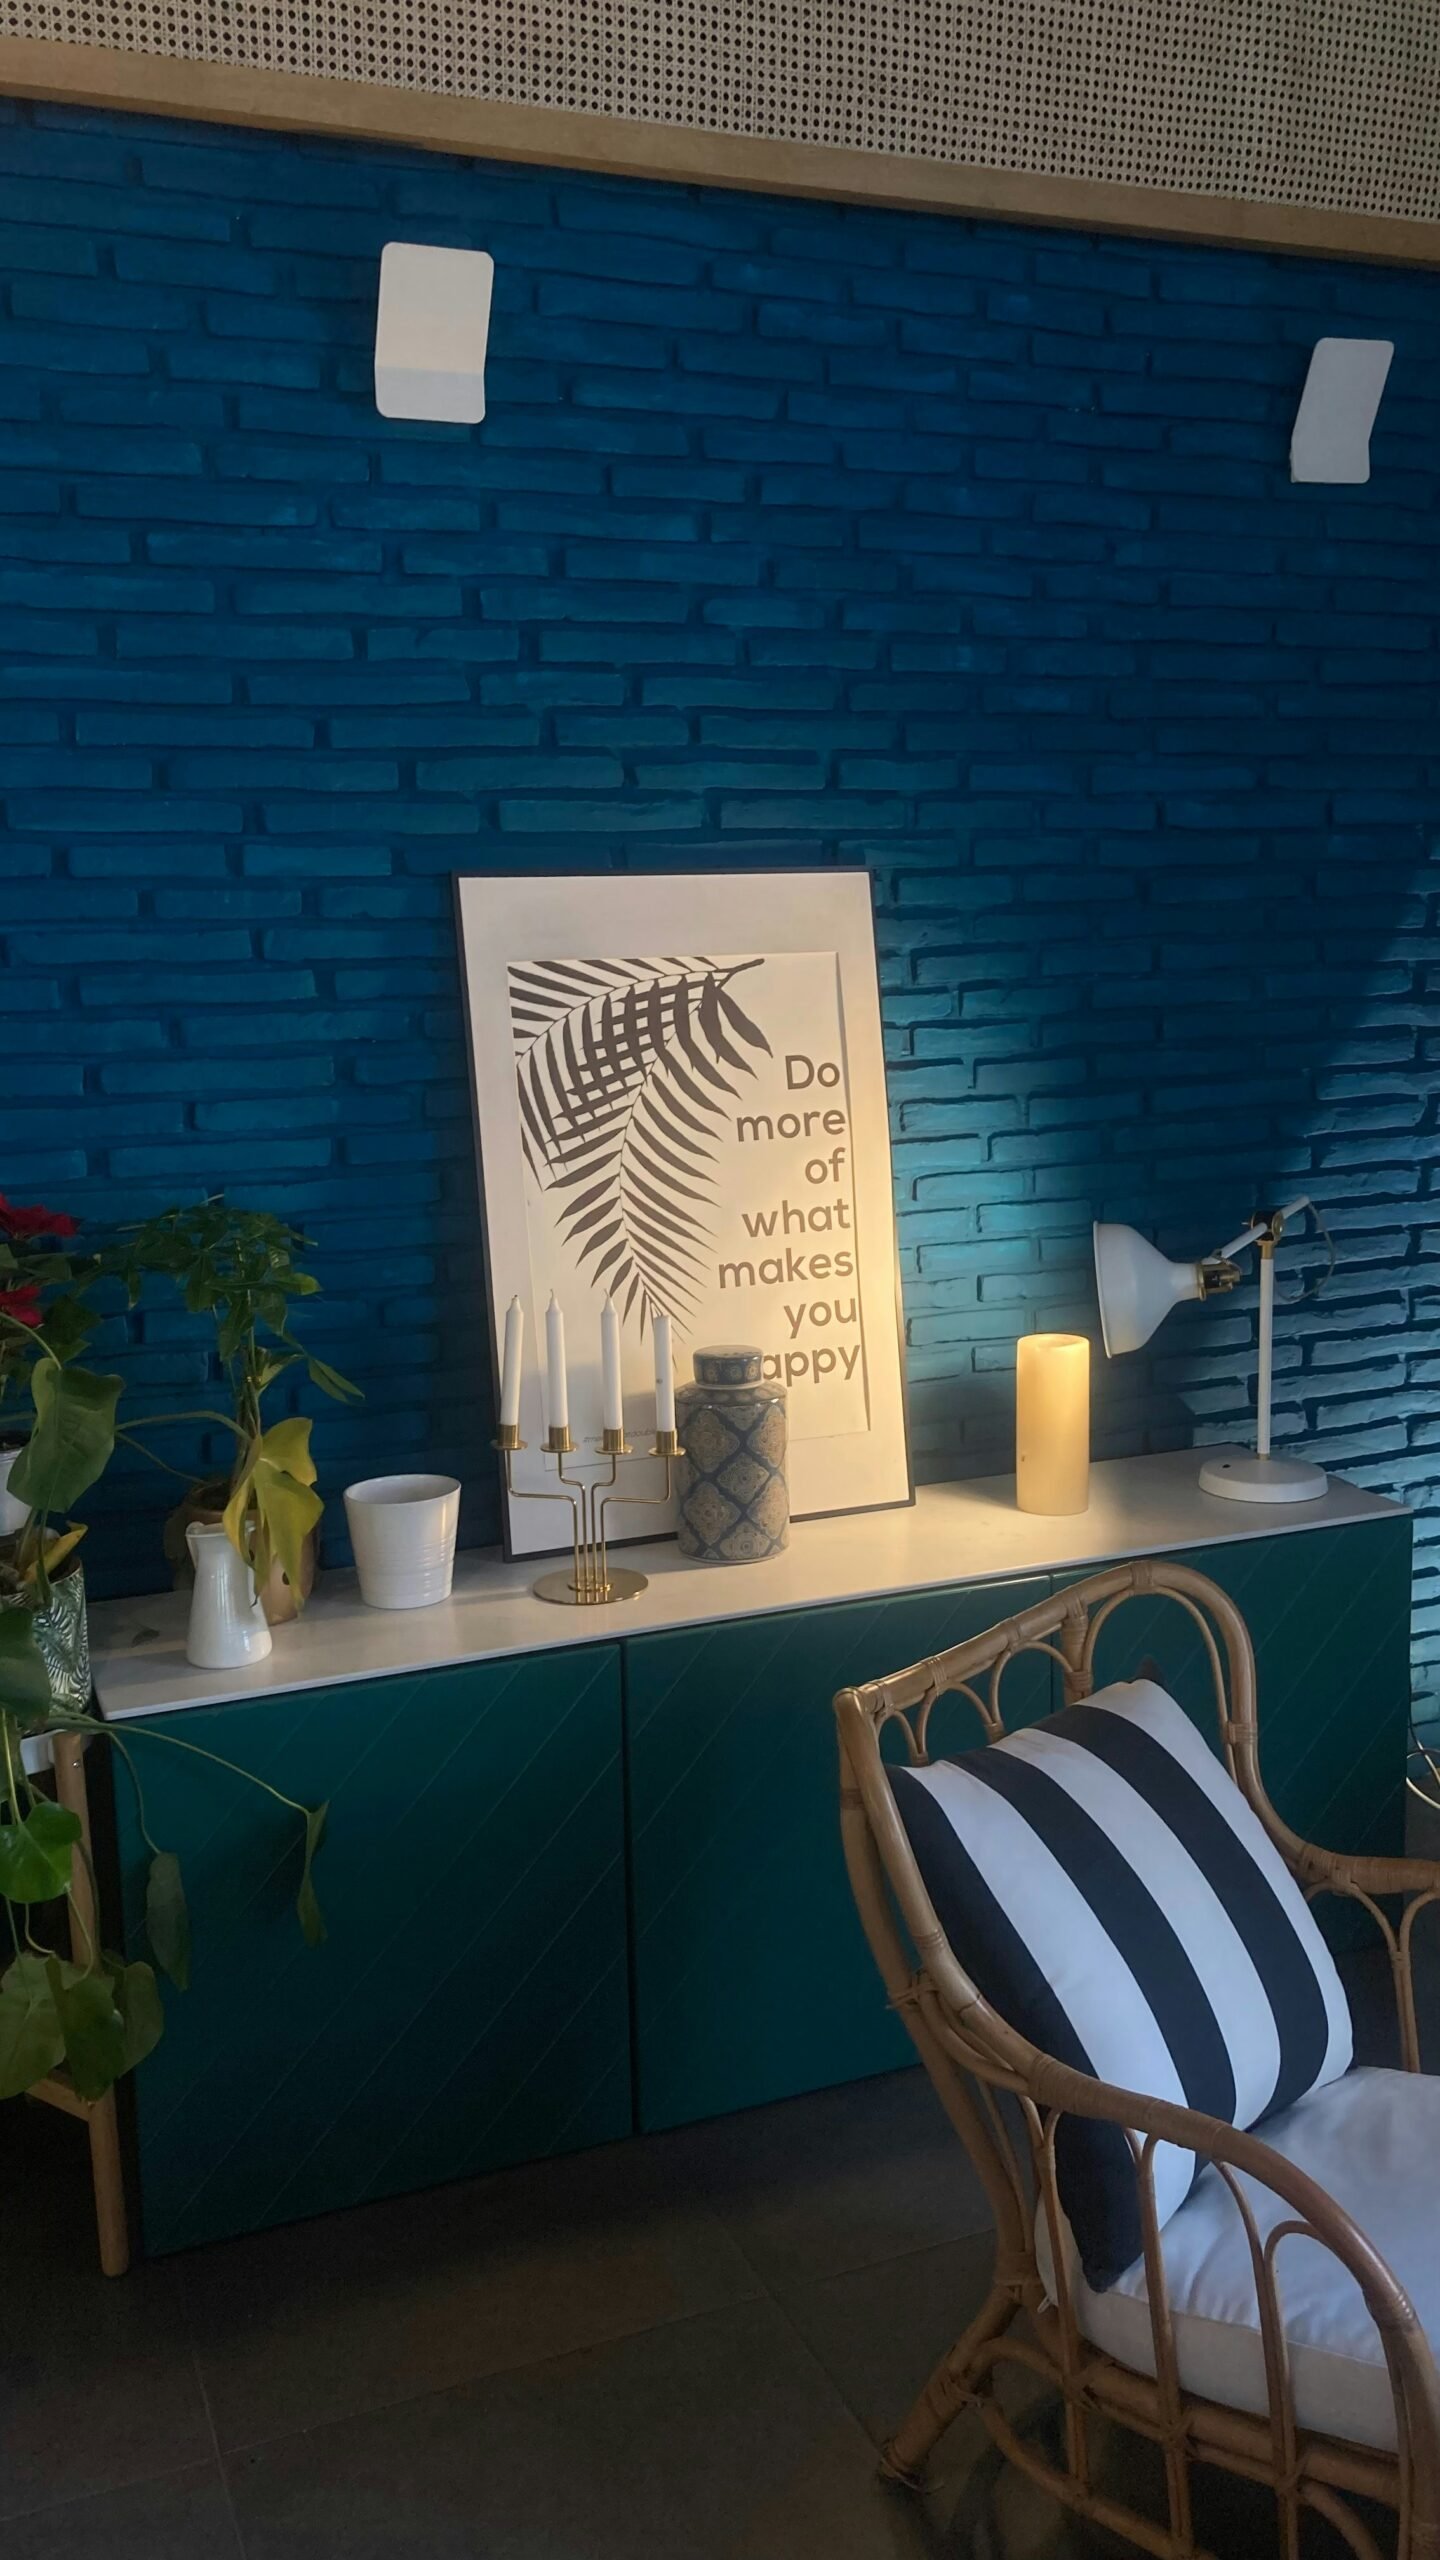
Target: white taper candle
x=557 y=1387
x=614 y=1411
x=510 y=1367
x=664 y=1376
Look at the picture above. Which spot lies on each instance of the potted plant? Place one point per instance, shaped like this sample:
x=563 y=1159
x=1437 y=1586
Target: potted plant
x=93 y=2012
x=238 y=1267
x=40 y=1280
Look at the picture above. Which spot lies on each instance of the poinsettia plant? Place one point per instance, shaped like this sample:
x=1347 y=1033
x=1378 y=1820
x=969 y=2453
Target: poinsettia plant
x=41 y=1281
x=238 y=1267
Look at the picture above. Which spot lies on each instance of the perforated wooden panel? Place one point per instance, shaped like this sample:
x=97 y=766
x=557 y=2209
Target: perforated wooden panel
x=1328 y=103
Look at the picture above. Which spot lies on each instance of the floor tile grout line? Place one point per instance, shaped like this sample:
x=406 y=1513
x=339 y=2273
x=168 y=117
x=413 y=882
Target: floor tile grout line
x=220 y=2462
x=492 y=2373
x=860 y=2266
x=812 y=2357
x=108 y=2489
x=763 y=2290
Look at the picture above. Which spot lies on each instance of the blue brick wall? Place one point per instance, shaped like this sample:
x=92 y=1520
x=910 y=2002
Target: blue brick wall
x=796 y=534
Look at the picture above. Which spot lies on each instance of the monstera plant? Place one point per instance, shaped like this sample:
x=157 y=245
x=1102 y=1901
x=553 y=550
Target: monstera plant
x=90 y=2009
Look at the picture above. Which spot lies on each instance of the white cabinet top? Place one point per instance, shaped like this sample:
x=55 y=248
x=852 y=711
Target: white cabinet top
x=954 y=1533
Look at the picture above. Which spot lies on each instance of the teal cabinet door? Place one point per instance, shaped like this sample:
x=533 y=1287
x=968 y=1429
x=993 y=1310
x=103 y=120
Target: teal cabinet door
x=752 y=1977
x=1329 y=1616
x=470 y=2006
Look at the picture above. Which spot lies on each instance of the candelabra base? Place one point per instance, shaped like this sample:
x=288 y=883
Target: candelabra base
x=616 y=1583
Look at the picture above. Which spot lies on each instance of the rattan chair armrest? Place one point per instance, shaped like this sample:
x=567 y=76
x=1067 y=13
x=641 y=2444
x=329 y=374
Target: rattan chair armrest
x=1341 y=1871
x=1073 y=2093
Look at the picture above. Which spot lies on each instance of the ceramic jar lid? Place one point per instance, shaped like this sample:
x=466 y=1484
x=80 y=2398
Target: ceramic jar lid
x=729 y=1364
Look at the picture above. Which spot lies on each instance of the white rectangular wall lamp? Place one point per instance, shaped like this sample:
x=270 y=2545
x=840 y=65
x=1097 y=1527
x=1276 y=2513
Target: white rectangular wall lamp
x=1331 y=438
x=430 y=332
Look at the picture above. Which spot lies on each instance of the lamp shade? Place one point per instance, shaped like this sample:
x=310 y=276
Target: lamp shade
x=1137 y=1286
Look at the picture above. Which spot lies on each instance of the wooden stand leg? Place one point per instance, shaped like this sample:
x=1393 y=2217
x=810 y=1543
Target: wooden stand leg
x=106 y=2174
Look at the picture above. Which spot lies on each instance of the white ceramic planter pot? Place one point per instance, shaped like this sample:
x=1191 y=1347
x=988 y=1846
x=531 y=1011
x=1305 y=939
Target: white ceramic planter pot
x=13 y=1512
x=402 y=1529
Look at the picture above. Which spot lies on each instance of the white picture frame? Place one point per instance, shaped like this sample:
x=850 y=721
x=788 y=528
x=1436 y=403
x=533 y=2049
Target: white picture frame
x=711 y=1124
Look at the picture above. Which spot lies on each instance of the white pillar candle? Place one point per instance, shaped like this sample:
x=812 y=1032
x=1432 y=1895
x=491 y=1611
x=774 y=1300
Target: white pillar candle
x=664 y=1376
x=557 y=1389
x=614 y=1411
x=1052 y=1423
x=510 y=1367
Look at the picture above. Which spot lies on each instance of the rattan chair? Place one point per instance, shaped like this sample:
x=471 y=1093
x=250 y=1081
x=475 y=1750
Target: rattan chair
x=973 y=2057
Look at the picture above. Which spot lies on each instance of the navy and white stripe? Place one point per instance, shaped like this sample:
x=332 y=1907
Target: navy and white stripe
x=1103 y=1881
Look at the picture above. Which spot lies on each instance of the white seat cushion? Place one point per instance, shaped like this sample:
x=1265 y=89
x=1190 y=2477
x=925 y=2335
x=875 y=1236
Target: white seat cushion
x=1372 y=2141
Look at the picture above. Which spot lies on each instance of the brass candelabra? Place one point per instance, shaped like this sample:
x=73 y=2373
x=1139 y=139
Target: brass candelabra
x=590 y=1580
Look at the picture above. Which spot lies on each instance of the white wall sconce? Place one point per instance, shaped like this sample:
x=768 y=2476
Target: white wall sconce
x=431 y=331
x=1331 y=438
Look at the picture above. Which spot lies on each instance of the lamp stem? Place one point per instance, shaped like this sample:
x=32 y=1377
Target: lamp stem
x=1267 y=1345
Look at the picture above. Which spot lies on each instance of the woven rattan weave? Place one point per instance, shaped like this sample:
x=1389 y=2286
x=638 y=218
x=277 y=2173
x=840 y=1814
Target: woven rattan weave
x=973 y=2057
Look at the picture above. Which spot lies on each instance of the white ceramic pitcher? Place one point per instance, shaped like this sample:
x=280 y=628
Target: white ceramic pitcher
x=13 y=1512
x=227 y=1626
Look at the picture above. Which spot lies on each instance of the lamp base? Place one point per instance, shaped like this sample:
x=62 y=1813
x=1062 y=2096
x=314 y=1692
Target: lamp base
x=1241 y=1476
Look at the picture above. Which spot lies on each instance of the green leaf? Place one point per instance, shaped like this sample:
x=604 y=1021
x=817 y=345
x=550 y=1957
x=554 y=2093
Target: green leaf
x=331 y=1383
x=230 y=1334
x=288 y=1511
x=24 y=1680
x=72 y=1440
x=137 y=1997
x=91 y=2024
x=167 y=1918
x=31 y=2041
x=278 y=1489
x=35 y=1854
x=286 y=1446
x=312 y=1921
x=56 y=1829
x=68 y=1326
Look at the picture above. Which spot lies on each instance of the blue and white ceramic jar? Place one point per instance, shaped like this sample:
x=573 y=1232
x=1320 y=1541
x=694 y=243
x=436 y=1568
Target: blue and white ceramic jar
x=734 y=1501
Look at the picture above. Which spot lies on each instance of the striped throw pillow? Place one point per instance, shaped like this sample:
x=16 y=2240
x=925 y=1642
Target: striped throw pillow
x=1103 y=1881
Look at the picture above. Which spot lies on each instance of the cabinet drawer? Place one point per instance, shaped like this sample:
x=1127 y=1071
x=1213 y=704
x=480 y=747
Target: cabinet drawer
x=752 y=1977
x=470 y=2005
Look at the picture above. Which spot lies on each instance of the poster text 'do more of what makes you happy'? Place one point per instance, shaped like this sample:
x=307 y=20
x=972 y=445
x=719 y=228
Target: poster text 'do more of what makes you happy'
x=687 y=1132
x=702 y=1133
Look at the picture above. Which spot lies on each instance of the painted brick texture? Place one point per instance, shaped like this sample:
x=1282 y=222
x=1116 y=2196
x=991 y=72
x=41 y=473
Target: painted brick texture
x=795 y=535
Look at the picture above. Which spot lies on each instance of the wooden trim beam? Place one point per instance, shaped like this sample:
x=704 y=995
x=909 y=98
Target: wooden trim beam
x=493 y=129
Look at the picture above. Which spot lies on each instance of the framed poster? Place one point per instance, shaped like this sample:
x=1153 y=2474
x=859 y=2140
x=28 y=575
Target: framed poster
x=679 y=1097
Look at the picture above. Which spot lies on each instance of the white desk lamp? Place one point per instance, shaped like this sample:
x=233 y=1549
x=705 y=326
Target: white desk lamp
x=1138 y=1287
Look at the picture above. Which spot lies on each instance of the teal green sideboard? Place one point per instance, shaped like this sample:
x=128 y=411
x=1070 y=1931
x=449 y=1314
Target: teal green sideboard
x=470 y=2006
x=592 y=1889
x=752 y=1976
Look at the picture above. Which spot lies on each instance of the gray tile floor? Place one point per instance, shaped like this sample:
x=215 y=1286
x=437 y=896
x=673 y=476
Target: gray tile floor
x=685 y=2348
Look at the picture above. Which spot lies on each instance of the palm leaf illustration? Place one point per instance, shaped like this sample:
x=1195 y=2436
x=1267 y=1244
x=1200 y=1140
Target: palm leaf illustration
x=623 y=1071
